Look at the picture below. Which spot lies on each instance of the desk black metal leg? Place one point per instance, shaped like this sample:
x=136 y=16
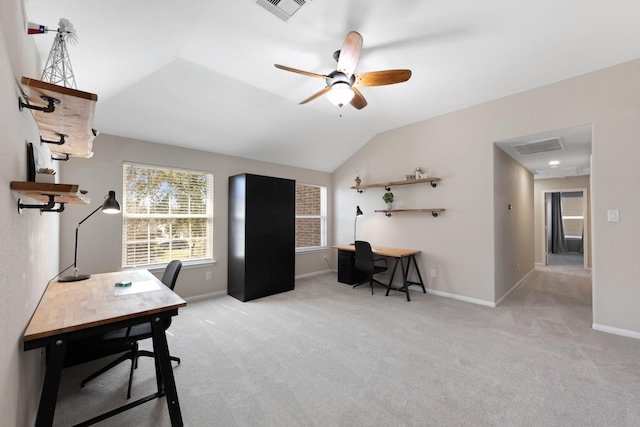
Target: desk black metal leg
x=405 y=284
x=49 y=396
x=415 y=264
x=161 y=349
x=393 y=273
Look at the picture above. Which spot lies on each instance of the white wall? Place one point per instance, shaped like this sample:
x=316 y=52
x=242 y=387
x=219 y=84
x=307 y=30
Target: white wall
x=29 y=249
x=458 y=147
x=513 y=222
x=103 y=172
x=459 y=242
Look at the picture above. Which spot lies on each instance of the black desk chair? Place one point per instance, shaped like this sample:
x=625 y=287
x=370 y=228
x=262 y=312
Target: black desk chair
x=365 y=262
x=126 y=339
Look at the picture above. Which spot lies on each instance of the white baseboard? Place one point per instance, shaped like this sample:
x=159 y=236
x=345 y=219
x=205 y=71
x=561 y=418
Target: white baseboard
x=221 y=293
x=461 y=298
x=315 y=273
x=480 y=301
x=205 y=296
x=616 y=331
x=513 y=288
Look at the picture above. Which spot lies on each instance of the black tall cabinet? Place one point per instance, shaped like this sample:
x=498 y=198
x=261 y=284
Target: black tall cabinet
x=261 y=236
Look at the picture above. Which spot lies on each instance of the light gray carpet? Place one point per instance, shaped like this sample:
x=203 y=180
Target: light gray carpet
x=567 y=258
x=329 y=355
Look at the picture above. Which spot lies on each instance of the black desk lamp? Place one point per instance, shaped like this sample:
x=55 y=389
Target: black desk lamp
x=355 y=223
x=110 y=206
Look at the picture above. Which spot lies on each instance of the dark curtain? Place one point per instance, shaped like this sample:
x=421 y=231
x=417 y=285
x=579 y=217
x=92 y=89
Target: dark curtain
x=558 y=242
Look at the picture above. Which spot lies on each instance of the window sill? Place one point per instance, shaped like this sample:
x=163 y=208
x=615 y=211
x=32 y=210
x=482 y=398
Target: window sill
x=186 y=265
x=311 y=250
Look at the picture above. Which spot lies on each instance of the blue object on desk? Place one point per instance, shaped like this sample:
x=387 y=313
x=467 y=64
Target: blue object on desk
x=123 y=284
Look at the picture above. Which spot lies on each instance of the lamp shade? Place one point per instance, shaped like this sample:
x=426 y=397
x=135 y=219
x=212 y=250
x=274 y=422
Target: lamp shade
x=355 y=223
x=340 y=94
x=111 y=205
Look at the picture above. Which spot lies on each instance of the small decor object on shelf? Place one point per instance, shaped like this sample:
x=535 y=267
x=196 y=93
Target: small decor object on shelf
x=410 y=177
x=358 y=181
x=57 y=69
x=418 y=173
x=388 y=199
x=46 y=175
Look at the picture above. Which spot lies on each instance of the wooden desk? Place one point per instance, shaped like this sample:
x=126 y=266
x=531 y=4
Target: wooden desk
x=73 y=310
x=399 y=255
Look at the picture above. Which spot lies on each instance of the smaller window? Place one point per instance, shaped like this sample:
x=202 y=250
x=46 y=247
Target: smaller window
x=311 y=216
x=572 y=215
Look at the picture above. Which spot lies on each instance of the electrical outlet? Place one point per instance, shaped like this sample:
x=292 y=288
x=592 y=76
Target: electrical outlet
x=434 y=273
x=208 y=275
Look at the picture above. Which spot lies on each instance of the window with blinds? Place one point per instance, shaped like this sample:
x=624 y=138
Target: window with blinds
x=167 y=214
x=572 y=214
x=311 y=216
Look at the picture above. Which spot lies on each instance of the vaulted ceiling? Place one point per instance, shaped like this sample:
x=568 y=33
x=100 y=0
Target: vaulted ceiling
x=200 y=73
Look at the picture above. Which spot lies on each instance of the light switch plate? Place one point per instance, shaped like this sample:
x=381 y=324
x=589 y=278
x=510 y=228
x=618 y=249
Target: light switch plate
x=613 y=215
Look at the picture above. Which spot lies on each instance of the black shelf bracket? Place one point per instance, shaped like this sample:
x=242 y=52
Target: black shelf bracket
x=49 y=207
x=61 y=159
x=359 y=191
x=387 y=214
x=386 y=187
x=60 y=142
x=435 y=214
x=434 y=184
x=50 y=108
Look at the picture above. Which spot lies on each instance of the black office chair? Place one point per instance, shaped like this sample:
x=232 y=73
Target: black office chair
x=365 y=262
x=126 y=339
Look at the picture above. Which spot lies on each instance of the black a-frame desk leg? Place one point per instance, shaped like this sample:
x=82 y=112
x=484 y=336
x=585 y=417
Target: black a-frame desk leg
x=49 y=396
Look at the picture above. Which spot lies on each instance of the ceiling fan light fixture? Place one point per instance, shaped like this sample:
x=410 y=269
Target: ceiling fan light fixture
x=340 y=94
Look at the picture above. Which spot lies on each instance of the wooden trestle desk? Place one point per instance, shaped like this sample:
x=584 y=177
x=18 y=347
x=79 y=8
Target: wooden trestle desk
x=73 y=310
x=399 y=255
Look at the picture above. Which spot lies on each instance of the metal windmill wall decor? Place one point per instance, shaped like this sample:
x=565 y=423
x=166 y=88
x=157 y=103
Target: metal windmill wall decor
x=57 y=70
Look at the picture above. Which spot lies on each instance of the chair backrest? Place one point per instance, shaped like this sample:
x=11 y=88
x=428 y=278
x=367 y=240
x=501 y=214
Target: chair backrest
x=364 y=257
x=171 y=273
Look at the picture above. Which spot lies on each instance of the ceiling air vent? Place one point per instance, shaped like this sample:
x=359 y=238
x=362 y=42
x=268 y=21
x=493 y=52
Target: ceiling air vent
x=541 y=146
x=283 y=9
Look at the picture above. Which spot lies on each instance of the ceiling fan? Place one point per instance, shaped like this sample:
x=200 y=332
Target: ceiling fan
x=342 y=84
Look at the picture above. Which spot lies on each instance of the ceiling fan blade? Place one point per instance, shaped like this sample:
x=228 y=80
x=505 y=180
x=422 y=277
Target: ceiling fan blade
x=380 y=78
x=350 y=53
x=315 y=95
x=358 y=100
x=294 y=70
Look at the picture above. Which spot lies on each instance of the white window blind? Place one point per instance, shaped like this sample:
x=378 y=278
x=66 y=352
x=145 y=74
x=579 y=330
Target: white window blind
x=572 y=216
x=167 y=215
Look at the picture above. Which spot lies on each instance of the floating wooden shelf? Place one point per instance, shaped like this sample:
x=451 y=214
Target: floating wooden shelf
x=69 y=127
x=388 y=185
x=434 y=212
x=50 y=194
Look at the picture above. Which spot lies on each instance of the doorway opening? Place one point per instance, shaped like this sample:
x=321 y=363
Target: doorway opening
x=564 y=219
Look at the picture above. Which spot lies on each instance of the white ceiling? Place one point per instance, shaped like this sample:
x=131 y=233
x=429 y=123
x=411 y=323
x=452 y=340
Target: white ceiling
x=200 y=74
x=573 y=158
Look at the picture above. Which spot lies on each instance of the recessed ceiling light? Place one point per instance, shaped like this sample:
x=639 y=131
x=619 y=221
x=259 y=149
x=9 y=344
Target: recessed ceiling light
x=554 y=162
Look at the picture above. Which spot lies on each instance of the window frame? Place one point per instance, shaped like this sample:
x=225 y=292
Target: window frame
x=572 y=208
x=208 y=215
x=322 y=216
